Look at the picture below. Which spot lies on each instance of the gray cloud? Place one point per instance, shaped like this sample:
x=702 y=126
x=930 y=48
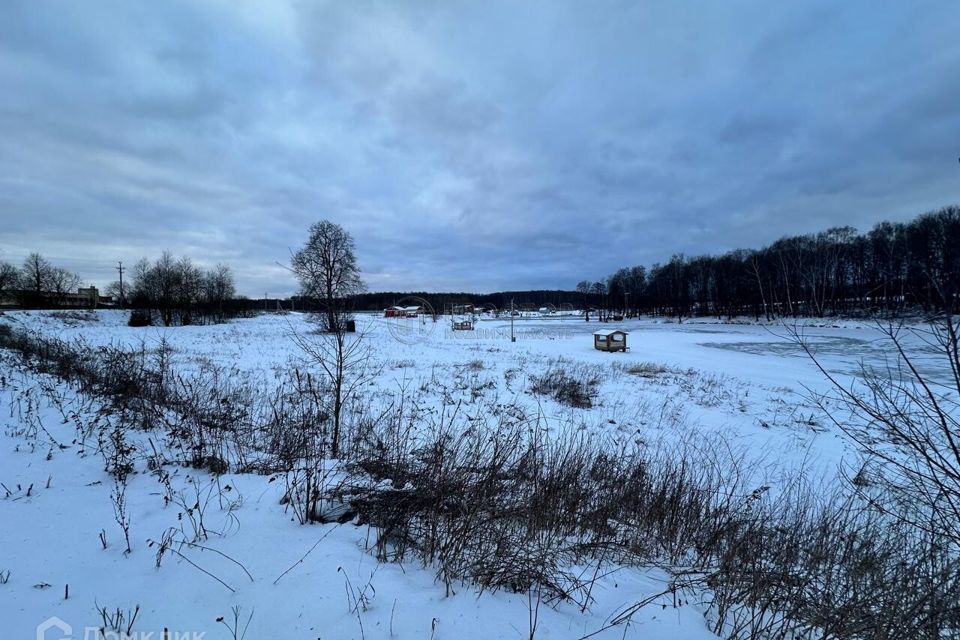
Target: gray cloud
x=466 y=145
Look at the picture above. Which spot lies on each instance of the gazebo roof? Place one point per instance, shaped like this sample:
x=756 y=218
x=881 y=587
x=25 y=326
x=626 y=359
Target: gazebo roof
x=608 y=332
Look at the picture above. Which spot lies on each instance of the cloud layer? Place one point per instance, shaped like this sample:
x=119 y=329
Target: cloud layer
x=466 y=145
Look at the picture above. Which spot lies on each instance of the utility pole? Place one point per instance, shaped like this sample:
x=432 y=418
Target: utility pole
x=123 y=297
x=513 y=338
x=265 y=309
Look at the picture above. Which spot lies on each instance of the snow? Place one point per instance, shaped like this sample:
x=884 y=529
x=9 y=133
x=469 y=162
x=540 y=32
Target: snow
x=745 y=381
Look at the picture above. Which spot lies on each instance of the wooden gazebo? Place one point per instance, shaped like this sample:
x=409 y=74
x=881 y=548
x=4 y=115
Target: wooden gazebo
x=610 y=340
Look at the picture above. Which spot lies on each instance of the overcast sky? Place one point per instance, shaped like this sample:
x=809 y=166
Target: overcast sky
x=466 y=146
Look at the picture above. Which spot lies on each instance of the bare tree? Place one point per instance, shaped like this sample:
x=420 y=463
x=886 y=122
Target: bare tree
x=189 y=288
x=9 y=278
x=344 y=361
x=156 y=285
x=62 y=282
x=218 y=287
x=114 y=290
x=599 y=291
x=35 y=273
x=164 y=285
x=45 y=281
x=327 y=270
x=584 y=288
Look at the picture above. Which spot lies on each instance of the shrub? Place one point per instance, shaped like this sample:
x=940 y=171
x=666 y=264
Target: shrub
x=647 y=370
x=573 y=386
x=140 y=318
x=503 y=506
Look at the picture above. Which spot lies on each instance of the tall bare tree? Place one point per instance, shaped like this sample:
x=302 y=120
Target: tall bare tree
x=189 y=288
x=9 y=279
x=599 y=291
x=584 y=288
x=36 y=273
x=327 y=269
x=61 y=282
x=218 y=287
x=344 y=360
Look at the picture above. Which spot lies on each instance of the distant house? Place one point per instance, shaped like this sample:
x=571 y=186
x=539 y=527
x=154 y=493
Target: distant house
x=462 y=309
x=610 y=340
x=401 y=312
x=86 y=297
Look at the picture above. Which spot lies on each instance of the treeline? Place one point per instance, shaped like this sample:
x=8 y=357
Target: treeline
x=36 y=283
x=175 y=291
x=168 y=291
x=439 y=301
x=895 y=268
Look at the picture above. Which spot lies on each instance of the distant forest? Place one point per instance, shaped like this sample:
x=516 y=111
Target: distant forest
x=895 y=268
x=523 y=300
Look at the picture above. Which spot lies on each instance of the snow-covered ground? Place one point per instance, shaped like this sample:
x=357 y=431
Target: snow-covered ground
x=746 y=382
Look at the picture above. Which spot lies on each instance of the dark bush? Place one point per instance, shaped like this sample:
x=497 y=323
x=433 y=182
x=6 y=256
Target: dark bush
x=574 y=386
x=140 y=318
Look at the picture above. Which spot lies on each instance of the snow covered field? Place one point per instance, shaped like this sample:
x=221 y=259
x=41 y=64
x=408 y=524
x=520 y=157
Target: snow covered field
x=687 y=381
x=748 y=381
